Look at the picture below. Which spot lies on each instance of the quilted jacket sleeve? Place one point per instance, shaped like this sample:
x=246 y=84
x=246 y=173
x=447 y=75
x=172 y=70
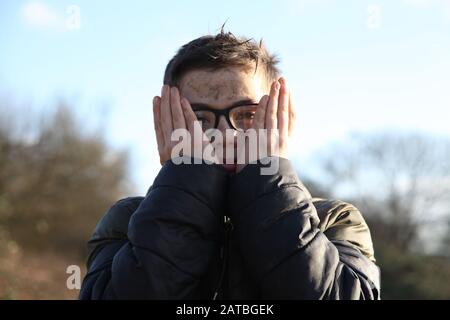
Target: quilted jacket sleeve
x=161 y=248
x=280 y=237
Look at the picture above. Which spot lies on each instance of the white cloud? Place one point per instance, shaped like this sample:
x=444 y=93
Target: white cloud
x=39 y=15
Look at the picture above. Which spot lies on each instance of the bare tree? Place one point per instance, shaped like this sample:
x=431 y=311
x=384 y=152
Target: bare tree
x=400 y=179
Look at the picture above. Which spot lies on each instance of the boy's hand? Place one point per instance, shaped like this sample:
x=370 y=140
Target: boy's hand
x=275 y=111
x=171 y=112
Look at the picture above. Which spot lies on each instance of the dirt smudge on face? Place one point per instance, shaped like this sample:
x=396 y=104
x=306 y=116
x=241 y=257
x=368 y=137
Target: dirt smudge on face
x=220 y=87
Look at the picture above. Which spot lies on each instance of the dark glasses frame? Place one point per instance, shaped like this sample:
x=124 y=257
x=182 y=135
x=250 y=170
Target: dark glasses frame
x=223 y=112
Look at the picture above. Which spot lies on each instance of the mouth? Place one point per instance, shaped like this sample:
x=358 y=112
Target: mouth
x=230 y=167
x=229 y=157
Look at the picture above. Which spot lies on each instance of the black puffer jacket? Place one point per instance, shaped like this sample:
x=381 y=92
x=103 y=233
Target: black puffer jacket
x=278 y=243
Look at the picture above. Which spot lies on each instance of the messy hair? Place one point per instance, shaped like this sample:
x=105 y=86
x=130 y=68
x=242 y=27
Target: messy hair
x=221 y=51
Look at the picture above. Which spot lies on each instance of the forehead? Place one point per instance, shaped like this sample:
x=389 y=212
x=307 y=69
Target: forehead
x=220 y=88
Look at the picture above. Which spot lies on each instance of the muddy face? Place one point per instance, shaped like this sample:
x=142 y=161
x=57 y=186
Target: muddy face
x=222 y=88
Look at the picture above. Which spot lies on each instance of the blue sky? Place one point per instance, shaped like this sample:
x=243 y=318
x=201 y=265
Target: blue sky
x=353 y=65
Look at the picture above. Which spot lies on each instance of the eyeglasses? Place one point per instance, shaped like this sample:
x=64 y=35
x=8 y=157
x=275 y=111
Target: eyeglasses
x=239 y=117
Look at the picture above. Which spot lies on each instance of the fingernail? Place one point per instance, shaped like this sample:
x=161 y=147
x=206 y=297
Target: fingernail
x=277 y=86
x=282 y=80
x=162 y=89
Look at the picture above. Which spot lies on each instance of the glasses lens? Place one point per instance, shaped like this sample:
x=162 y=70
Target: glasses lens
x=207 y=118
x=242 y=117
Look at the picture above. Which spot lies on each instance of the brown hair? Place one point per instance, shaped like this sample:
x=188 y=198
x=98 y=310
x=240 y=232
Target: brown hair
x=221 y=51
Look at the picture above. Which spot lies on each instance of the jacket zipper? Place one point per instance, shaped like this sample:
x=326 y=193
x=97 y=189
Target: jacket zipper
x=224 y=256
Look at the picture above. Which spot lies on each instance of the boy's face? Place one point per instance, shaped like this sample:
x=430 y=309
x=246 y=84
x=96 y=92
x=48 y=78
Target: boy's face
x=221 y=89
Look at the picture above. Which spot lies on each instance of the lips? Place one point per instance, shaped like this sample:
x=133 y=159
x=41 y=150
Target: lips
x=230 y=167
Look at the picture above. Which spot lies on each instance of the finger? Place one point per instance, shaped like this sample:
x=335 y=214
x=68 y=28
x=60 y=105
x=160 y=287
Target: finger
x=260 y=115
x=193 y=126
x=158 y=129
x=177 y=112
x=166 y=114
x=292 y=115
x=189 y=115
x=272 y=106
x=283 y=108
x=157 y=122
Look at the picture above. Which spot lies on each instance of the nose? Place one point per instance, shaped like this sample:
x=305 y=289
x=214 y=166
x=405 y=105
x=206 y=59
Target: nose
x=228 y=143
x=223 y=124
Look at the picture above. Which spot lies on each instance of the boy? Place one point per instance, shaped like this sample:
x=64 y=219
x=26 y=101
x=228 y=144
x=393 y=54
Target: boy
x=224 y=230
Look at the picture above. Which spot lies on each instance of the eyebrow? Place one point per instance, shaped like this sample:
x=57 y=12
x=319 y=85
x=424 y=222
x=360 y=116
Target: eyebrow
x=197 y=106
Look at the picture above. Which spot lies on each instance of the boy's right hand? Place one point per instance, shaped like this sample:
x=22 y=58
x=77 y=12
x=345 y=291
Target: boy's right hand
x=171 y=112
